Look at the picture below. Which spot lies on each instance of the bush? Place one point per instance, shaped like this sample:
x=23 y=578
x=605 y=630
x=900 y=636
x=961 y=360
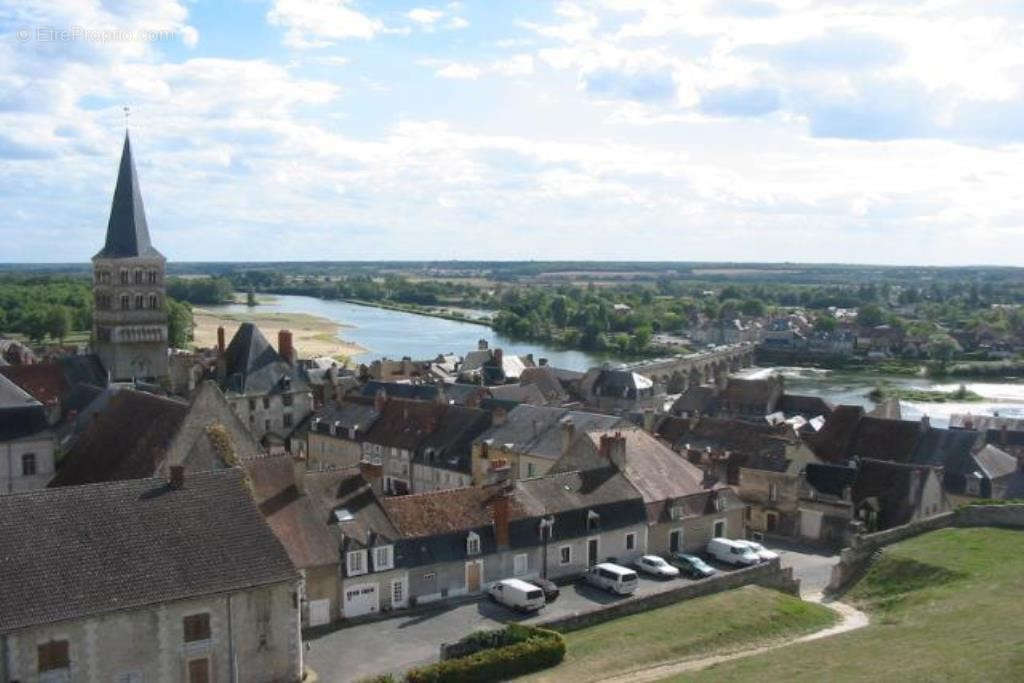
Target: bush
x=540 y=649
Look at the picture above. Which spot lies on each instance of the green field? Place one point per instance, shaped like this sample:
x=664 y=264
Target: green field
x=944 y=606
x=723 y=622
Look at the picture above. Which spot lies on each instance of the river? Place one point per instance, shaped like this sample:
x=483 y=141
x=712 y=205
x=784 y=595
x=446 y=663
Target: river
x=395 y=334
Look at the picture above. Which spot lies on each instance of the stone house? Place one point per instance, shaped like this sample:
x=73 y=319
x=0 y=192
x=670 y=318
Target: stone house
x=573 y=520
x=202 y=590
x=265 y=388
x=685 y=507
x=526 y=441
x=27 y=443
x=336 y=431
x=442 y=459
x=278 y=484
x=618 y=390
x=138 y=435
x=751 y=397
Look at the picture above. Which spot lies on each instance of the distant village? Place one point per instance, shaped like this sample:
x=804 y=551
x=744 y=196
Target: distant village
x=195 y=515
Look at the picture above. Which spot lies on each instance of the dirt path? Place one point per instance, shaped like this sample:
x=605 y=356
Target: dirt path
x=850 y=619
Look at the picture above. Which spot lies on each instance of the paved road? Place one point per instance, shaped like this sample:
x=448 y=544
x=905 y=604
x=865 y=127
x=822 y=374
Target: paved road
x=396 y=644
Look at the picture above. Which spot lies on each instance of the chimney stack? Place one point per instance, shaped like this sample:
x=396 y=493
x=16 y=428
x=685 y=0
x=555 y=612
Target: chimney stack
x=542 y=362
x=500 y=512
x=499 y=357
x=220 y=340
x=613 y=448
x=177 y=479
x=481 y=345
x=285 y=347
x=568 y=432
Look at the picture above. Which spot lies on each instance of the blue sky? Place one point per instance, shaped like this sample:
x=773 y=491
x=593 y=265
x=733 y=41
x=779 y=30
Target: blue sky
x=742 y=130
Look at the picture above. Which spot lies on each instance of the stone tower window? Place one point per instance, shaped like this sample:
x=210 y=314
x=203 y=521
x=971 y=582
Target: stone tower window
x=138 y=301
x=124 y=276
x=125 y=301
x=152 y=277
x=152 y=301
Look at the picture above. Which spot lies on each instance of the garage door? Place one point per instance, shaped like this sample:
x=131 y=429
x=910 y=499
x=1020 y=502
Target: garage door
x=810 y=524
x=361 y=599
x=319 y=612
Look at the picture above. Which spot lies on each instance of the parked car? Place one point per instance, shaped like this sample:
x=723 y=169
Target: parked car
x=517 y=594
x=549 y=588
x=612 y=578
x=692 y=566
x=762 y=553
x=731 y=552
x=656 y=566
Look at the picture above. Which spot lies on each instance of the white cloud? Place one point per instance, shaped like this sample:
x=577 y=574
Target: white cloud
x=189 y=36
x=459 y=71
x=318 y=23
x=457 y=23
x=424 y=16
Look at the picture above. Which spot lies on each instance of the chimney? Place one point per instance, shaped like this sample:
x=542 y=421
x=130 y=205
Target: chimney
x=542 y=362
x=500 y=512
x=499 y=357
x=177 y=479
x=1002 y=434
x=284 y=346
x=926 y=423
x=613 y=448
x=568 y=432
x=481 y=345
x=499 y=416
x=529 y=358
x=220 y=340
x=299 y=469
x=380 y=399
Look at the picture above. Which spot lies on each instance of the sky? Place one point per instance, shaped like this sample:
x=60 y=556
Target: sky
x=864 y=131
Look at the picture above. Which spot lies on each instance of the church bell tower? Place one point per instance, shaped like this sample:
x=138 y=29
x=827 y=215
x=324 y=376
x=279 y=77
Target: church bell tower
x=129 y=298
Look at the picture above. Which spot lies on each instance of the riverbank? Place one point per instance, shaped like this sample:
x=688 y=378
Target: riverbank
x=958 y=395
x=430 y=313
x=312 y=335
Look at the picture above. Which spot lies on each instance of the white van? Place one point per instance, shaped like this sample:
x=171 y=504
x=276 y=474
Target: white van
x=731 y=552
x=612 y=577
x=517 y=594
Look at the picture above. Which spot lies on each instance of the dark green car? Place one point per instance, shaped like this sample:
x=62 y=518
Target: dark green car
x=691 y=565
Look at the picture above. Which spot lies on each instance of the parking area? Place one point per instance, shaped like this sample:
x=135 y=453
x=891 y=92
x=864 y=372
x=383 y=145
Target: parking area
x=407 y=640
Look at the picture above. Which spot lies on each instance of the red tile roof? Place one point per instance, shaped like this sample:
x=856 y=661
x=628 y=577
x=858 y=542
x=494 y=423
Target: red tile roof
x=43 y=381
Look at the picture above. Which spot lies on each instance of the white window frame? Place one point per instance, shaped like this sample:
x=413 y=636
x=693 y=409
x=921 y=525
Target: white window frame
x=517 y=569
x=473 y=543
x=355 y=557
x=383 y=558
x=560 y=560
x=773 y=491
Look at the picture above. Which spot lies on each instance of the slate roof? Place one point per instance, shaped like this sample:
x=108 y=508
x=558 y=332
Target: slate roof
x=537 y=430
x=697 y=398
x=830 y=479
x=985 y=422
x=658 y=472
x=830 y=443
x=721 y=434
x=554 y=493
x=254 y=367
x=404 y=423
x=422 y=392
x=44 y=381
x=807 y=406
x=948 y=448
x=995 y=463
x=460 y=392
x=291 y=516
x=84 y=368
x=545 y=379
x=450 y=444
x=127 y=231
x=520 y=393
x=346 y=489
x=20 y=414
x=757 y=391
x=895 y=486
x=80 y=551
x=354 y=411
x=126 y=440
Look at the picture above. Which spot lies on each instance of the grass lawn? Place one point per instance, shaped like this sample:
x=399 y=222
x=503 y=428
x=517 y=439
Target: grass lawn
x=717 y=623
x=944 y=606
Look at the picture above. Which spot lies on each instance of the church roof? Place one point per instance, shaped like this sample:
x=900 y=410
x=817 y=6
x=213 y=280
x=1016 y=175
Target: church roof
x=127 y=232
x=253 y=366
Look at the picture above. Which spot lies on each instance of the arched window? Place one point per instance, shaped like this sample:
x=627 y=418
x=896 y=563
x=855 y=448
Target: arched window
x=124 y=276
x=125 y=302
x=138 y=301
x=152 y=301
x=138 y=276
x=152 y=277
x=28 y=464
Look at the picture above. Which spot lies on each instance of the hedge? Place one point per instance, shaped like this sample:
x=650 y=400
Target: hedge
x=540 y=650
x=485 y=640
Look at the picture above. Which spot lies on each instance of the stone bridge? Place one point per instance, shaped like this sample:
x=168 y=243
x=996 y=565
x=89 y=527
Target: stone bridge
x=679 y=373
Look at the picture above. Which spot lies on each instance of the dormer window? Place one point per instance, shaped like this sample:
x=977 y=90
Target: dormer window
x=473 y=544
x=355 y=562
x=383 y=558
x=593 y=520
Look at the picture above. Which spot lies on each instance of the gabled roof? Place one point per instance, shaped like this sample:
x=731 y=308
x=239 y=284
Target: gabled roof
x=545 y=379
x=346 y=491
x=948 y=448
x=520 y=393
x=995 y=463
x=722 y=434
x=830 y=479
x=20 y=414
x=253 y=366
x=127 y=232
x=658 y=472
x=537 y=430
x=807 y=406
x=555 y=493
x=832 y=441
x=78 y=551
x=423 y=392
x=449 y=445
x=697 y=398
x=353 y=411
x=405 y=423
x=443 y=512
x=291 y=515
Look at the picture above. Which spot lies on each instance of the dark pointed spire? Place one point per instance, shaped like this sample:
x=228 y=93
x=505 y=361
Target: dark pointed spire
x=127 y=232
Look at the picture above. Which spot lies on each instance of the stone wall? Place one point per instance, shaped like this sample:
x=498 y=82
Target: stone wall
x=854 y=560
x=768 y=574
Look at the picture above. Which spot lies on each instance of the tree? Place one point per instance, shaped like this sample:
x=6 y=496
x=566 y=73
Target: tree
x=870 y=316
x=942 y=348
x=179 y=323
x=58 y=323
x=560 y=310
x=753 y=307
x=825 y=323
